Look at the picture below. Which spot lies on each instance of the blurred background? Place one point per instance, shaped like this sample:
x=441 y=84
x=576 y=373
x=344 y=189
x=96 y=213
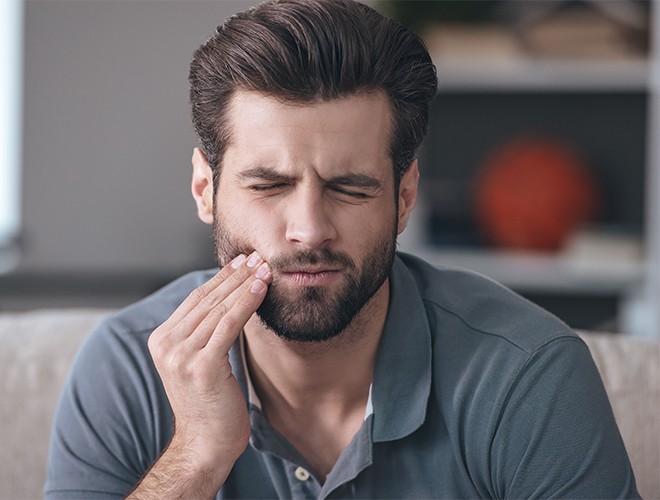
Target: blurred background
x=541 y=167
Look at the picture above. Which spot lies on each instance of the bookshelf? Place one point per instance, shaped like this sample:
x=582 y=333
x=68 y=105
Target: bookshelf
x=502 y=91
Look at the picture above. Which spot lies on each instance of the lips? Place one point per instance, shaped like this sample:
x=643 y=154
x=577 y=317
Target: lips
x=309 y=270
x=311 y=276
x=312 y=268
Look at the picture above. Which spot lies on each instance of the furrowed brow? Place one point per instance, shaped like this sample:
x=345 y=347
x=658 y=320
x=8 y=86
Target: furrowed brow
x=357 y=180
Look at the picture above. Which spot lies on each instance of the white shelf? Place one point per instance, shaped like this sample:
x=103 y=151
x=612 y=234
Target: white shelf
x=544 y=273
x=520 y=75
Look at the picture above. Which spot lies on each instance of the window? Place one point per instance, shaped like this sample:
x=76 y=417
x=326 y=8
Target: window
x=11 y=55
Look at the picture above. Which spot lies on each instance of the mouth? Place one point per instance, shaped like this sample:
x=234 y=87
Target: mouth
x=311 y=276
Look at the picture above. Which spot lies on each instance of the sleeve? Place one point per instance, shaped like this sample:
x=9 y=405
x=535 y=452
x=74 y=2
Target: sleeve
x=112 y=421
x=556 y=436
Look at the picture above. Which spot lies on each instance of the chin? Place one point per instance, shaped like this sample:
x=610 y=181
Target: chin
x=315 y=314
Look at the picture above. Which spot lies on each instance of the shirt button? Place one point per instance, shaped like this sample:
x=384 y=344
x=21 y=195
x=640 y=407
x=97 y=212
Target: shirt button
x=301 y=474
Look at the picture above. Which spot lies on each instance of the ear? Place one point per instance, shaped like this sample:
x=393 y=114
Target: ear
x=407 y=194
x=202 y=186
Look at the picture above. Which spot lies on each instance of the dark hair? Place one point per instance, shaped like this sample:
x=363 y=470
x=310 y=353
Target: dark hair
x=303 y=51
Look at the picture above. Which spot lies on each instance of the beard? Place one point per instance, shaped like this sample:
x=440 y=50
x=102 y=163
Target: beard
x=314 y=313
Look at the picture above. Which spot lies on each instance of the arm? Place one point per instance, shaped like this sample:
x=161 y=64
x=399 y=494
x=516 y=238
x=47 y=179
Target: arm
x=191 y=353
x=556 y=435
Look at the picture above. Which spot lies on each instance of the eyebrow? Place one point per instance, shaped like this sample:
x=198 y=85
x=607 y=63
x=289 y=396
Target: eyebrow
x=263 y=173
x=357 y=180
x=269 y=174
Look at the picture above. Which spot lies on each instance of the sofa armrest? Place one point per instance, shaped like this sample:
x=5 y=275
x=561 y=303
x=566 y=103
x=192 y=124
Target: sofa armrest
x=630 y=369
x=36 y=350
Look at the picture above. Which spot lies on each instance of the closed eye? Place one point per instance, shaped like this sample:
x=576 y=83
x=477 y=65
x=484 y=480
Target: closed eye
x=268 y=187
x=352 y=194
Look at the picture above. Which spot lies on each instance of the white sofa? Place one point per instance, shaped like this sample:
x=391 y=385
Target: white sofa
x=36 y=349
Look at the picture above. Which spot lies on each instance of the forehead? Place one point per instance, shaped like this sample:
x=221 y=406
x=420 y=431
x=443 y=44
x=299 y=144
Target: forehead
x=350 y=132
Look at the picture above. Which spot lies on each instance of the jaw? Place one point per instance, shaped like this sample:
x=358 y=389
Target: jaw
x=364 y=329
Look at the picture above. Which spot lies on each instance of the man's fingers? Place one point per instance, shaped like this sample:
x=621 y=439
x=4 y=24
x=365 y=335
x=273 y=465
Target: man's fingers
x=208 y=301
x=247 y=300
x=247 y=297
x=198 y=294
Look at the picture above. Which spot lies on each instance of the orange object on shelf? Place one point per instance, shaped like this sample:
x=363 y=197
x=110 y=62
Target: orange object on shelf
x=533 y=193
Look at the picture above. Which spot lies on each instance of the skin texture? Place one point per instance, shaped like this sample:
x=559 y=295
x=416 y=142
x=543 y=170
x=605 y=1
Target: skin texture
x=311 y=189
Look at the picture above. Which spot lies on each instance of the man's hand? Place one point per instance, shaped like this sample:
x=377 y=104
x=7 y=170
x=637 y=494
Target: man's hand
x=191 y=353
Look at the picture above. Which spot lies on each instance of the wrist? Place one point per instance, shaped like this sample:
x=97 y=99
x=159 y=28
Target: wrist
x=206 y=454
x=184 y=471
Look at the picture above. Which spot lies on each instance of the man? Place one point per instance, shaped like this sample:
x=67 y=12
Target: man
x=318 y=362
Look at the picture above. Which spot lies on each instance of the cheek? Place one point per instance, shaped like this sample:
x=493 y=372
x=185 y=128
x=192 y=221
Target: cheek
x=381 y=217
x=252 y=223
x=369 y=227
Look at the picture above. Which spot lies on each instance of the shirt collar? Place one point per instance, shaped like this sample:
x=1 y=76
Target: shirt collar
x=252 y=397
x=402 y=376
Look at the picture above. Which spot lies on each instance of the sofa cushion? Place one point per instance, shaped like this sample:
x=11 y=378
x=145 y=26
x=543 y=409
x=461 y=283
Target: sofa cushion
x=36 y=350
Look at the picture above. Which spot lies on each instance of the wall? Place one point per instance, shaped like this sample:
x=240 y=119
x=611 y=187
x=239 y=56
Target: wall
x=107 y=143
x=107 y=134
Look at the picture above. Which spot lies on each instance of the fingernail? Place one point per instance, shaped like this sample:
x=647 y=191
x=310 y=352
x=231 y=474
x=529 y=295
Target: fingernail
x=257 y=286
x=238 y=261
x=262 y=271
x=254 y=258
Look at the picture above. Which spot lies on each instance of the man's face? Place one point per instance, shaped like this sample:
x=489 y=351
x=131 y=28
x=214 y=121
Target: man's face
x=311 y=188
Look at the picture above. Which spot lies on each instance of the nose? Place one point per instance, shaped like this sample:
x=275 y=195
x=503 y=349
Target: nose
x=309 y=221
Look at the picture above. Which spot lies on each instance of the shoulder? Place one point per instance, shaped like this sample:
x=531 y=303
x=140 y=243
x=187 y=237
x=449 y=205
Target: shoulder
x=485 y=337
x=127 y=330
x=485 y=341
x=153 y=310
x=465 y=303
x=116 y=350
x=517 y=389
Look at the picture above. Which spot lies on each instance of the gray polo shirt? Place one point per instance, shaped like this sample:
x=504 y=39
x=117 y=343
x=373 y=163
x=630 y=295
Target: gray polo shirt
x=476 y=393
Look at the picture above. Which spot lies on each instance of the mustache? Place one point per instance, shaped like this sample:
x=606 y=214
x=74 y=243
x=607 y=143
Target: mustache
x=324 y=257
x=226 y=249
